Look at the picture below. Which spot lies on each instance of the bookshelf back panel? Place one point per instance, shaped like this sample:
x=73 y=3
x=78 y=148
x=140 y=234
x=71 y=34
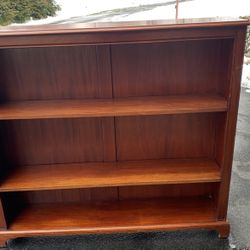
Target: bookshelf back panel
x=55 y=73
x=76 y=72
x=52 y=141
x=88 y=195
x=172 y=136
x=32 y=142
x=171 y=68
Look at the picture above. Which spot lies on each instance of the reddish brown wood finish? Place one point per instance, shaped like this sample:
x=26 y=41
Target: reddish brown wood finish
x=222 y=227
x=3 y=225
x=120 y=32
x=119 y=216
x=55 y=73
x=131 y=124
x=88 y=195
x=133 y=173
x=224 y=231
x=181 y=73
x=230 y=122
x=156 y=137
x=35 y=142
x=110 y=108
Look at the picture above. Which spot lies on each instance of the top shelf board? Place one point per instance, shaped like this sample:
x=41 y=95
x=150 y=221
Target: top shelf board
x=133 y=106
x=119 y=32
x=123 y=26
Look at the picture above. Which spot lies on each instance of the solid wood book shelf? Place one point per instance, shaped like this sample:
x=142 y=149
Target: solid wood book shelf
x=118 y=127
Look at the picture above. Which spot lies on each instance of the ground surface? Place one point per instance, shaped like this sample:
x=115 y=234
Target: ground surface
x=239 y=206
x=194 y=240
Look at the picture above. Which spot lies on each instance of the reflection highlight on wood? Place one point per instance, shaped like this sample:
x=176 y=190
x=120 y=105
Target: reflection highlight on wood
x=107 y=174
x=117 y=107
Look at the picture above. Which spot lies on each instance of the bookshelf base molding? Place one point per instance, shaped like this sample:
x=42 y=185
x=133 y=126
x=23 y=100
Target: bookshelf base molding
x=222 y=227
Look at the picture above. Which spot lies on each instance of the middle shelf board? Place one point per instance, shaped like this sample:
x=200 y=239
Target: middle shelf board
x=131 y=106
x=109 y=174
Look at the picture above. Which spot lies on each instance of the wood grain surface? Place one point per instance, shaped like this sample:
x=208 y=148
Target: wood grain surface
x=144 y=116
x=108 y=174
x=115 y=215
x=170 y=68
x=172 y=136
x=108 y=108
x=36 y=142
x=55 y=73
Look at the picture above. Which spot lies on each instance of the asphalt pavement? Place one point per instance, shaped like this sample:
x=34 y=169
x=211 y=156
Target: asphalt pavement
x=239 y=204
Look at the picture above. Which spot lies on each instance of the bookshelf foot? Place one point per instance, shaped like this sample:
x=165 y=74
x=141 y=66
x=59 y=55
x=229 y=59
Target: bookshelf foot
x=224 y=230
x=3 y=241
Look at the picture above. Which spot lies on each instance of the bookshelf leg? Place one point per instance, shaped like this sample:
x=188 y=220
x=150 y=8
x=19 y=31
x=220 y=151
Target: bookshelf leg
x=3 y=241
x=224 y=231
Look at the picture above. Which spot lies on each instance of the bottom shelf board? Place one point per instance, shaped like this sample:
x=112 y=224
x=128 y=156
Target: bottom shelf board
x=117 y=216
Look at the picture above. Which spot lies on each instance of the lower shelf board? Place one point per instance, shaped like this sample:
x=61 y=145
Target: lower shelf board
x=113 y=217
x=116 y=215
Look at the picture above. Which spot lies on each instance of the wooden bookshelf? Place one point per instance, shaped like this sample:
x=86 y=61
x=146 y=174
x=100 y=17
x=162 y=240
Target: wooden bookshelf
x=118 y=127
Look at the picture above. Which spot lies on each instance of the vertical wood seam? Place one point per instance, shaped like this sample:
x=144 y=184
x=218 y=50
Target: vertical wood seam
x=114 y=118
x=113 y=96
